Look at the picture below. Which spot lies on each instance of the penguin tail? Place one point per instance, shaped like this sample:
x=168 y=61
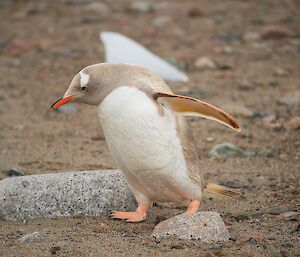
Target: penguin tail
x=219 y=191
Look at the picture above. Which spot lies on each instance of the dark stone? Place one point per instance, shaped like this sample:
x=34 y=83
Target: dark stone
x=13 y=172
x=241 y=217
x=55 y=249
x=230 y=184
x=275 y=211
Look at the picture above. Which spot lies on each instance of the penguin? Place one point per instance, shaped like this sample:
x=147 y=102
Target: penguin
x=147 y=134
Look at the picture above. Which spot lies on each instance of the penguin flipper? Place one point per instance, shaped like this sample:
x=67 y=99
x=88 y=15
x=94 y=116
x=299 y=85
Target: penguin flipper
x=189 y=106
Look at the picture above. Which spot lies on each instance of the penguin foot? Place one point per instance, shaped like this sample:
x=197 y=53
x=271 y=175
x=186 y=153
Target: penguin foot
x=193 y=206
x=129 y=216
x=136 y=216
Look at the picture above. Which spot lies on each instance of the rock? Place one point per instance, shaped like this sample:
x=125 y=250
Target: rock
x=18 y=127
x=224 y=66
x=275 y=34
x=64 y=194
x=228 y=50
x=230 y=184
x=275 y=211
x=241 y=217
x=14 y=62
x=14 y=172
x=280 y=72
x=32 y=238
x=271 y=122
x=204 y=63
x=206 y=226
x=238 y=110
x=67 y=108
x=246 y=85
x=293 y=124
x=196 y=11
x=3 y=151
x=269 y=119
x=141 y=6
x=226 y=150
x=99 y=8
x=160 y=21
x=55 y=249
x=283 y=157
x=209 y=139
x=290 y=100
x=251 y=36
x=289 y=214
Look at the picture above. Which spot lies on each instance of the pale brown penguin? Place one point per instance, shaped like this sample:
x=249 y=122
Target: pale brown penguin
x=147 y=134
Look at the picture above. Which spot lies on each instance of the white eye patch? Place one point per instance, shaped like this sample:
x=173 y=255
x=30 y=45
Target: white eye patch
x=84 y=79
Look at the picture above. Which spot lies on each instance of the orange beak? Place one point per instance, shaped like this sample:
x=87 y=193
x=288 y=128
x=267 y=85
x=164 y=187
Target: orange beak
x=61 y=101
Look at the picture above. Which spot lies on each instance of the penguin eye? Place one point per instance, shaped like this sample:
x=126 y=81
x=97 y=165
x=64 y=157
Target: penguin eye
x=83 y=89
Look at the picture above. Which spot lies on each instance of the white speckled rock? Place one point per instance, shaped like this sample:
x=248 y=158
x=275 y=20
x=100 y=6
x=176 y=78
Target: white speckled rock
x=32 y=238
x=64 y=194
x=206 y=226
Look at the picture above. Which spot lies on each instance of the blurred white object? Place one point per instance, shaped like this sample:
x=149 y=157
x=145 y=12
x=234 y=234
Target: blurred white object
x=121 y=49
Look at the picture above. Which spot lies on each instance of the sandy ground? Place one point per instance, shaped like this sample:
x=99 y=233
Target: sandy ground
x=43 y=44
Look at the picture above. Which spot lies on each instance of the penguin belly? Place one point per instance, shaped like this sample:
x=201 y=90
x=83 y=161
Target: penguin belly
x=144 y=144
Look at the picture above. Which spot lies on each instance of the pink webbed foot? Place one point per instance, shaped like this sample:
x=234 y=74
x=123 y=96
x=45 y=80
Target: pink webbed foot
x=136 y=216
x=193 y=206
x=129 y=216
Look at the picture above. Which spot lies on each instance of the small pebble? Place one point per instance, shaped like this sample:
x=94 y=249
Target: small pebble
x=141 y=6
x=275 y=34
x=246 y=85
x=55 y=249
x=227 y=150
x=228 y=50
x=196 y=11
x=251 y=36
x=32 y=238
x=280 y=72
x=14 y=172
x=238 y=110
x=275 y=211
x=290 y=100
x=99 y=8
x=204 y=63
x=293 y=124
x=19 y=127
x=161 y=21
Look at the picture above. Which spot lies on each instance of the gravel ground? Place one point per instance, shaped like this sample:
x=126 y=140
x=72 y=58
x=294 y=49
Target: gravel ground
x=255 y=50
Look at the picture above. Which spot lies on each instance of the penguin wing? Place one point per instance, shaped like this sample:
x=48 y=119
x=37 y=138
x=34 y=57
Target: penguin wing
x=189 y=106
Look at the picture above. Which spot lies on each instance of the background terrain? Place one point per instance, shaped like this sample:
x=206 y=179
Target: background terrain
x=254 y=73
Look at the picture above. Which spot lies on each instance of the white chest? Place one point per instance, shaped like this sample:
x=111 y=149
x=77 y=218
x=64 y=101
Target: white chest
x=143 y=143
